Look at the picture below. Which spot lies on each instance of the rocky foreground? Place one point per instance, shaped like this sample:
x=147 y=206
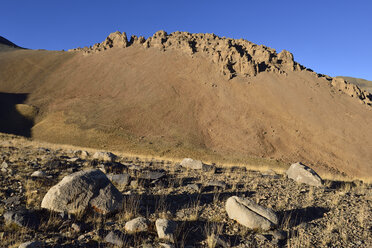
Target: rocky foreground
x=62 y=197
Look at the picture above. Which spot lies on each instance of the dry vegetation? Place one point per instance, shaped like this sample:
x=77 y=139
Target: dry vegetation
x=337 y=215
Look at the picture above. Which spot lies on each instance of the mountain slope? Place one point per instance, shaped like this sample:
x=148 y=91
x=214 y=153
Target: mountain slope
x=159 y=97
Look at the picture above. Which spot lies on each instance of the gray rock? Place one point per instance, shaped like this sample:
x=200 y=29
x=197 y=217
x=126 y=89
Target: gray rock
x=165 y=229
x=104 y=156
x=193 y=186
x=139 y=224
x=4 y=167
x=278 y=235
x=31 y=244
x=115 y=238
x=76 y=227
x=250 y=214
x=23 y=218
x=12 y=201
x=304 y=174
x=121 y=180
x=83 y=189
x=190 y=163
x=82 y=154
x=219 y=184
x=152 y=175
x=39 y=174
x=165 y=245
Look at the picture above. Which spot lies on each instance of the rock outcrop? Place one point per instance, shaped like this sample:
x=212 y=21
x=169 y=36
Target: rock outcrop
x=233 y=57
x=83 y=189
x=352 y=90
x=250 y=214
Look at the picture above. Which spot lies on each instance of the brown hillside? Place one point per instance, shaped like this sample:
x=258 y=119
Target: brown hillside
x=193 y=95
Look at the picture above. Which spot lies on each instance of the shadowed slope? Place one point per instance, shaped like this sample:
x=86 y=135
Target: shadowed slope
x=148 y=100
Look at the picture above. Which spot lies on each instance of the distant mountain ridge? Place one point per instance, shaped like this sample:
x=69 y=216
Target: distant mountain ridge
x=5 y=43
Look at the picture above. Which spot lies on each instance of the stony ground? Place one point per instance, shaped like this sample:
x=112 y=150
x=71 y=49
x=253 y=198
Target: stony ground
x=336 y=215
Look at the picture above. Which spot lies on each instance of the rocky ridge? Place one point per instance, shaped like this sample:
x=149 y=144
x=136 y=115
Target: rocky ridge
x=234 y=57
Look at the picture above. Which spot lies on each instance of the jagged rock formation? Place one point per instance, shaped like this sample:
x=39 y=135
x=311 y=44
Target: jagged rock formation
x=352 y=90
x=234 y=57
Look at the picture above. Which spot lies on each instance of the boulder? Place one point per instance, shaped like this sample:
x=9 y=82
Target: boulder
x=250 y=214
x=82 y=190
x=165 y=229
x=190 y=163
x=104 y=156
x=139 y=224
x=304 y=174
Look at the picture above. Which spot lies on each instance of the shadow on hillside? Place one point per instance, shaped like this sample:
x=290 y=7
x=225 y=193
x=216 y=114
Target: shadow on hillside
x=11 y=121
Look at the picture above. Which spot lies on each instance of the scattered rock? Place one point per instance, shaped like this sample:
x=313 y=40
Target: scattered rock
x=39 y=174
x=121 y=180
x=215 y=183
x=82 y=154
x=76 y=227
x=152 y=175
x=104 y=156
x=23 y=218
x=4 y=167
x=190 y=163
x=278 y=234
x=31 y=244
x=304 y=174
x=139 y=224
x=250 y=214
x=165 y=229
x=80 y=190
x=193 y=186
x=12 y=201
x=115 y=238
x=165 y=245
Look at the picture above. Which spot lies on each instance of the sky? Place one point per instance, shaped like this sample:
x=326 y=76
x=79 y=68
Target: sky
x=332 y=37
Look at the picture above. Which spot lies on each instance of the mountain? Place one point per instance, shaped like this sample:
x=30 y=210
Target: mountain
x=192 y=95
x=361 y=83
x=6 y=44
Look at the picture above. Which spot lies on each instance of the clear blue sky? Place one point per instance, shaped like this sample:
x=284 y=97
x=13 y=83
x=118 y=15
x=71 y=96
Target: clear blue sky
x=332 y=37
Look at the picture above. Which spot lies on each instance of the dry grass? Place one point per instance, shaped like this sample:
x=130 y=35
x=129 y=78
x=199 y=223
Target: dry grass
x=250 y=163
x=212 y=232
x=130 y=207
